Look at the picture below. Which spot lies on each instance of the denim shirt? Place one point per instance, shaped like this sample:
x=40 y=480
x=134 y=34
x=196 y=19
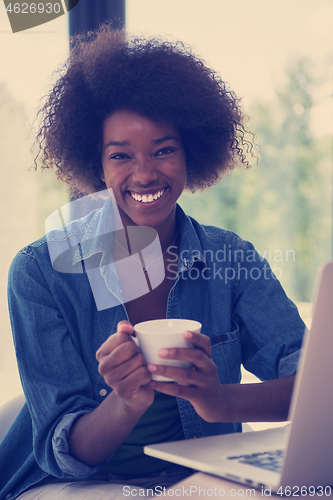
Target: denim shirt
x=221 y=281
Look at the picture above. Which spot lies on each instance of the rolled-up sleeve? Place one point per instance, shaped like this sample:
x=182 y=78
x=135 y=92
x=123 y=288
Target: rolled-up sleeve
x=289 y=364
x=66 y=462
x=57 y=381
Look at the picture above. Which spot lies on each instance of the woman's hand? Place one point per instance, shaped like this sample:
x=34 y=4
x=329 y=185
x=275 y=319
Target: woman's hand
x=96 y=435
x=124 y=368
x=199 y=385
x=259 y=402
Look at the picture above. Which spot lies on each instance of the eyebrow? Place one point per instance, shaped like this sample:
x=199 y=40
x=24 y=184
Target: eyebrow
x=117 y=143
x=155 y=141
x=165 y=138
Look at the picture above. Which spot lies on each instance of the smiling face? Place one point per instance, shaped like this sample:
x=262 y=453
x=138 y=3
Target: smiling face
x=144 y=164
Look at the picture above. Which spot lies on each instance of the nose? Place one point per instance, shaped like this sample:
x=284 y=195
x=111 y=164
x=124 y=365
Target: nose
x=144 y=171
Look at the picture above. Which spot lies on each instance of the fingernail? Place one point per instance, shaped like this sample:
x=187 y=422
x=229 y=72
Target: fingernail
x=152 y=368
x=189 y=335
x=163 y=353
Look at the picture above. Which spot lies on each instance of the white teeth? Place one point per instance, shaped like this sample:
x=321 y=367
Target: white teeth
x=147 y=198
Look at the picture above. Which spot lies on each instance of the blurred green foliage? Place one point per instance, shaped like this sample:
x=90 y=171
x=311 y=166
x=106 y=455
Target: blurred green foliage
x=283 y=205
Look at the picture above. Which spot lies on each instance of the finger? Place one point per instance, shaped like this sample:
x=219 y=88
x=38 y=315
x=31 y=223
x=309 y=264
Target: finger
x=119 y=355
x=115 y=340
x=124 y=330
x=140 y=377
x=200 y=341
x=183 y=375
x=178 y=391
x=125 y=326
x=195 y=356
x=118 y=374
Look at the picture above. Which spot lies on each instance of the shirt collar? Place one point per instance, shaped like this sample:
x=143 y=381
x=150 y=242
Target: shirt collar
x=98 y=236
x=190 y=244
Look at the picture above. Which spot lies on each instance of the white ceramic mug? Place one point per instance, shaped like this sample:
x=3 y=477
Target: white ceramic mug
x=152 y=336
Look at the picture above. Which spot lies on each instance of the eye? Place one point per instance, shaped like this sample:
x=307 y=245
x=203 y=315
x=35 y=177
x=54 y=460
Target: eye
x=118 y=156
x=165 y=151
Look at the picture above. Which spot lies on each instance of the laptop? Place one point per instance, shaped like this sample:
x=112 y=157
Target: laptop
x=297 y=455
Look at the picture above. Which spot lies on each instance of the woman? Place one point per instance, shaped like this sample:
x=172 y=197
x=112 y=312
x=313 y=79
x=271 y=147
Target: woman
x=145 y=119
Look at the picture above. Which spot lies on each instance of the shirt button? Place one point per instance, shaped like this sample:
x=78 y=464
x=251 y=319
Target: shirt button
x=103 y=392
x=9 y=495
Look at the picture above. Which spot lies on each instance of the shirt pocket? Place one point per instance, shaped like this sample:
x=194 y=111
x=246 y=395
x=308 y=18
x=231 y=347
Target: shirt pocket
x=227 y=355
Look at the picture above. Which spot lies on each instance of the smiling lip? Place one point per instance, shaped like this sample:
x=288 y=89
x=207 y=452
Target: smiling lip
x=147 y=197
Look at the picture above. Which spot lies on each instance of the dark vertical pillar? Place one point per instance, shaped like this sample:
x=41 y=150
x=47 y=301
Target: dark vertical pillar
x=86 y=15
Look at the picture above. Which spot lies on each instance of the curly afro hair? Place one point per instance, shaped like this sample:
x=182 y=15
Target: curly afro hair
x=108 y=70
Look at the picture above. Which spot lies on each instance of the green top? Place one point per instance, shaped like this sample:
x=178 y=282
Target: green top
x=161 y=422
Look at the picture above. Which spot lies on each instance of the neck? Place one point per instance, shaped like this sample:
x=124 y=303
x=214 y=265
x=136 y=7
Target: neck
x=167 y=231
